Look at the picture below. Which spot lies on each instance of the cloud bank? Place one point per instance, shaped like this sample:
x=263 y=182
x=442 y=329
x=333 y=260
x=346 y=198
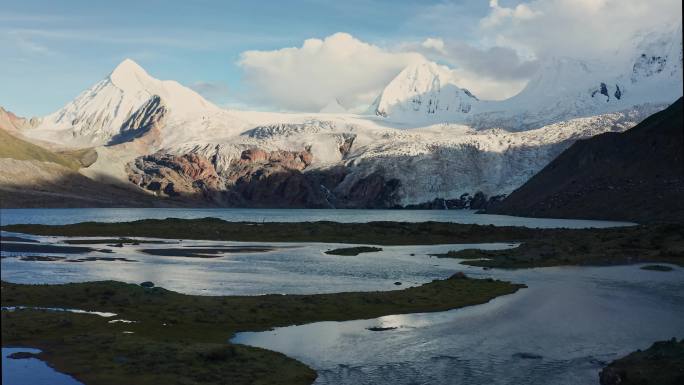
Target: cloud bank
x=495 y=63
x=307 y=78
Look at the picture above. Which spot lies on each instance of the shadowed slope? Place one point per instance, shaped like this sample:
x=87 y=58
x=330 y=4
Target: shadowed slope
x=637 y=175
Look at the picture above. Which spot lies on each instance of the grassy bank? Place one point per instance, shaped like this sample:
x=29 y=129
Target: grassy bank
x=539 y=247
x=655 y=243
x=183 y=339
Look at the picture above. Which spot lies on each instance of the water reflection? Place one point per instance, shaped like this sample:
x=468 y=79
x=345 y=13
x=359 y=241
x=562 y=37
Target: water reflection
x=64 y=216
x=31 y=371
x=301 y=268
x=560 y=330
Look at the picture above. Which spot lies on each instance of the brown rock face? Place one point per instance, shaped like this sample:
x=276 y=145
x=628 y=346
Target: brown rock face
x=254 y=155
x=189 y=175
x=260 y=178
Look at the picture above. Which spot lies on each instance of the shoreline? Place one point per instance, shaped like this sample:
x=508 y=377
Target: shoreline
x=187 y=337
x=656 y=243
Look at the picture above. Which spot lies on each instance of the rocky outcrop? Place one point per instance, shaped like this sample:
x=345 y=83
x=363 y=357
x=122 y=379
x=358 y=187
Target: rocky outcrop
x=150 y=115
x=260 y=178
x=11 y=122
x=189 y=175
x=478 y=201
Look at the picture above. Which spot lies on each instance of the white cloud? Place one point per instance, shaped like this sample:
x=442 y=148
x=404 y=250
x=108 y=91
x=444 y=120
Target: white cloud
x=493 y=54
x=586 y=29
x=500 y=14
x=492 y=73
x=307 y=78
x=215 y=91
x=435 y=44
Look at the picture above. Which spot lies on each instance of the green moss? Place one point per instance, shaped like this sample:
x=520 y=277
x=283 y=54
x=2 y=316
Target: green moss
x=183 y=339
x=377 y=233
x=464 y=254
x=655 y=243
x=352 y=251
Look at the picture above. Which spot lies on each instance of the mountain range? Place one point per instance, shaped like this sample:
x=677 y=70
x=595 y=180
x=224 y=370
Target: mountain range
x=425 y=140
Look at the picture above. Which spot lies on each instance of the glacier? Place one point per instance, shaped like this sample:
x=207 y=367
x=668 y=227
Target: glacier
x=435 y=139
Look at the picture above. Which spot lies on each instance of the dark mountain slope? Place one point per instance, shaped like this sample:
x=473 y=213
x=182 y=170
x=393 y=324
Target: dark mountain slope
x=637 y=176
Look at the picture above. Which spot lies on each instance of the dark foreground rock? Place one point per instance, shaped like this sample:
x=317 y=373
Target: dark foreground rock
x=661 y=364
x=637 y=175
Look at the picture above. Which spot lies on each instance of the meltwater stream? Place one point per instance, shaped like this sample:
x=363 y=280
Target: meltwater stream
x=561 y=330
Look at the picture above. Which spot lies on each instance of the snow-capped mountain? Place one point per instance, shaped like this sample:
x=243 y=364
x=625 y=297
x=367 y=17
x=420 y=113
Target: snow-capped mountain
x=119 y=106
x=424 y=91
x=161 y=135
x=563 y=88
x=566 y=88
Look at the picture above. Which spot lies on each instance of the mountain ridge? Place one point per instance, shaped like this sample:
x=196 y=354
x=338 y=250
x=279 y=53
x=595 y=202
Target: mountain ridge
x=130 y=116
x=636 y=175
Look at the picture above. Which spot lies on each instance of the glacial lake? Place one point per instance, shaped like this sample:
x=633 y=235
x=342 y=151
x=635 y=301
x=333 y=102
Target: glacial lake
x=65 y=216
x=562 y=329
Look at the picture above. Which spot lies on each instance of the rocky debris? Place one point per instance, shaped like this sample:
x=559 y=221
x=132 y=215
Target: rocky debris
x=478 y=201
x=370 y=191
x=256 y=162
x=260 y=178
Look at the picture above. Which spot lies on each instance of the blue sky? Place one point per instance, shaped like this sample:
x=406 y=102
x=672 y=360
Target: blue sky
x=53 y=50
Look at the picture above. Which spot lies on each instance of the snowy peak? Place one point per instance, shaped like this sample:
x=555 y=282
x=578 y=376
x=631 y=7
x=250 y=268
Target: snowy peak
x=333 y=107
x=423 y=90
x=556 y=76
x=106 y=110
x=129 y=75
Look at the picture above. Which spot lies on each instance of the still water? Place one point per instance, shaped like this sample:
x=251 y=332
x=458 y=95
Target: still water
x=65 y=216
x=561 y=330
x=289 y=268
x=31 y=371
